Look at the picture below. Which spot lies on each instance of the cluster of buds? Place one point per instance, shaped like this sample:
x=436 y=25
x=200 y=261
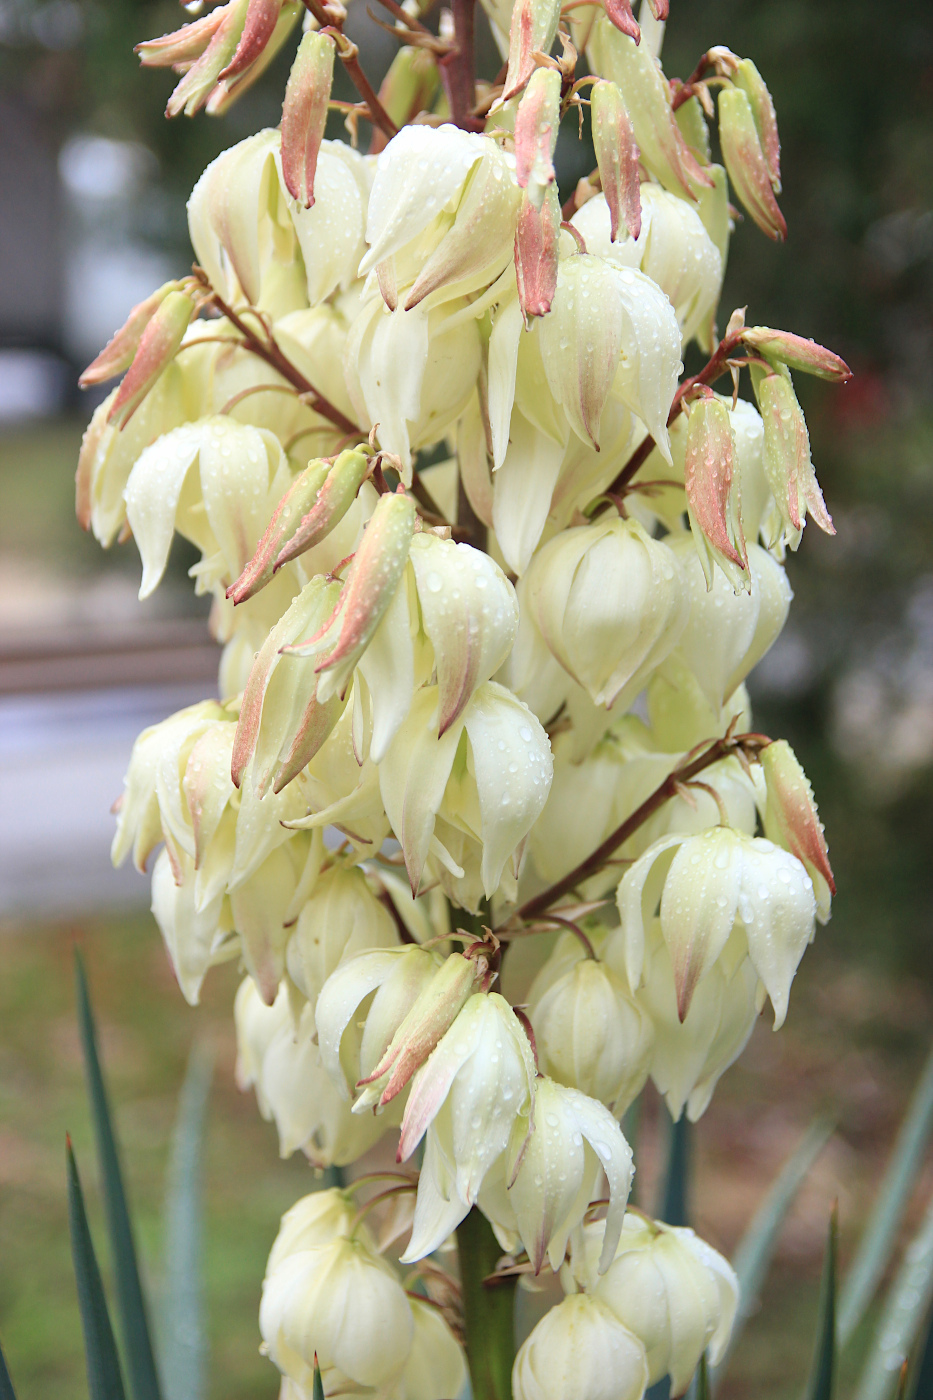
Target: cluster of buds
x=457 y=510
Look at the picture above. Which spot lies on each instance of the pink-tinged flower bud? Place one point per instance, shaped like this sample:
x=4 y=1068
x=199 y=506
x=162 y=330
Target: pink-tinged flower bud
x=786 y=457
x=580 y=1348
x=747 y=77
x=537 y=241
x=229 y=89
x=397 y=976
x=433 y=1013
x=537 y=123
x=533 y=28
x=119 y=351
x=313 y=505
x=647 y=98
x=660 y=9
x=712 y=494
x=261 y=18
x=478 y=1082
x=184 y=46
x=291 y=510
x=335 y=497
x=157 y=347
x=795 y=351
x=617 y=158
x=304 y=113
x=620 y=13
x=791 y=818
x=203 y=74
x=282 y=723
x=371 y=583
x=746 y=163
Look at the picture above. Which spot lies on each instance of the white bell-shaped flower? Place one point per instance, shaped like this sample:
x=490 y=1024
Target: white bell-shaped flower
x=580 y=1348
x=241 y=473
x=727 y=633
x=342 y=1303
x=316 y=1219
x=553 y=1167
x=196 y=937
x=477 y=1082
x=673 y=249
x=690 y=1056
x=442 y=214
x=277 y=1057
x=715 y=882
x=342 y=917
x=590 y=1032
x=487 y=775
x=674 y=1292
x=610 y=603
x=254 y=240
x=409 y=373
x=436 y=1366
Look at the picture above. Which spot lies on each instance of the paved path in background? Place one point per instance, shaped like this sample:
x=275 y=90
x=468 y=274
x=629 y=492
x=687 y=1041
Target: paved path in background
x=62 y=761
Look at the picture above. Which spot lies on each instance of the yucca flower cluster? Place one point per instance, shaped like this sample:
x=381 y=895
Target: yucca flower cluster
x=489 y=575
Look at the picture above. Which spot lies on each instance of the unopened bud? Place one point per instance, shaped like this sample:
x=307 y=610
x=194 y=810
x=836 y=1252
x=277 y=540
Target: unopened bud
x=574 y=1350
x=537 y=239
x=182 y=46
x=537 y=123
x=617 y=158
x=747 y=77
x=647 y=95
x=795 y=351
x=434 y=1012
x=712 y=494
x=157 y=347
x=534 y=25
x=304 y=114
x=411 y=84
x=745 y=161
x=374 y=576
x=792 y=820
x=287 y=517
x=202 y=76
x=117 y=354
x=786 y=458
x=336 y=495
x=261 y=18
x=619 y=12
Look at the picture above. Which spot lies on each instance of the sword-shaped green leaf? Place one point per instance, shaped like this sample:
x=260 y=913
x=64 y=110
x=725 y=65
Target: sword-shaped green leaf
x=183 y=1342
x=131 y=1307
x=755 y=1249
x=875 y=1248
x=823 y=1370
x=318 y=1392
x=103 y=1365
x=904 y=1310
x=6 y=1385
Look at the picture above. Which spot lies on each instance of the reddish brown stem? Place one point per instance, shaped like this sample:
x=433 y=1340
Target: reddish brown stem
x=349 y=55
x=268 y=350
x=718 y=749
x=716 y=366
x=458 y=70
